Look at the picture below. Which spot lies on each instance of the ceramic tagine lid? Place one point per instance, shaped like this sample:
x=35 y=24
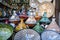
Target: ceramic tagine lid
x=50 y=35
x=37 y=16
x=23 y=13
x=38 y=28
x=53 y=26
x=31 y=20
x=14 y=17
x=45 y=19
x=27 y=34
x=31 y=11
x=21 y=25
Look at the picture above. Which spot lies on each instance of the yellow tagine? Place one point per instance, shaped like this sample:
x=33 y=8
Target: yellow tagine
x=21 y=25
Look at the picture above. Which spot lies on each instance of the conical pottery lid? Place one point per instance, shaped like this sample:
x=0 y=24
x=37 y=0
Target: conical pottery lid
x=45 y=19
x=21 y=25
x=38 y=28
x=27 y=34
x=31 y=20
x=50 y=35
x=53 y=26
x=14 y=17
x=5 y=31
x=31 y=11
x=47 y=7
x=23 y=12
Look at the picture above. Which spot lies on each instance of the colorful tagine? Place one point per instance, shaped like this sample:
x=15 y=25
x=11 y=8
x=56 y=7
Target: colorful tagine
x=50 y=35
x=23 y=13
x=53 y=26
x=45 y=19
x=5 y=31
x=27 y=34
x=31 y=11
x=21 y=25
x=14 y=18
x=37 y=17
x=38 y=28
x=31 y=21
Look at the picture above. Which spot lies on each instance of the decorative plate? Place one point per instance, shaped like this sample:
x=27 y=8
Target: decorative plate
x=27 y=34
x=50 y=35
x=47 y=7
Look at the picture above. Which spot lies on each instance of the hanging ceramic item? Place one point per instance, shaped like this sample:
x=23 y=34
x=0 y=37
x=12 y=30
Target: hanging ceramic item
x=34 y=3
x=47 y=7
x=53 y=26
x=50 y=35
x=23 y=13
x=45 y=19
x=14 y=18
x=31 y=21
x=38 y=28
x=21 y=25
x=5 y=31
x=27 y=34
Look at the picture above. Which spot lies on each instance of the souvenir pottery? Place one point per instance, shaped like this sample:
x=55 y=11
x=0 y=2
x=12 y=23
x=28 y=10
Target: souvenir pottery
x=20 y=26
x=23 y=13
x=31 y=21
x=37 y=17
x=27 y=34
x=45 y=19
x=31 y=12
x=50 y=35
x=38 y=28
x=46 y=7
x=14 y=18
x=34 y=3
x=5 y=31
x=53 y=26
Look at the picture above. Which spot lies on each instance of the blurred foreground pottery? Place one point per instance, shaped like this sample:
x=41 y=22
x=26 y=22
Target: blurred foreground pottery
x=50 y=35
x=5 y=31
x=27 y=34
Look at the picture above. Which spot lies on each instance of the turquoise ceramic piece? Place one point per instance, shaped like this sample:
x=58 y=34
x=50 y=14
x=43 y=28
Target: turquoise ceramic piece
x=45 y=19
x=38 y=28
